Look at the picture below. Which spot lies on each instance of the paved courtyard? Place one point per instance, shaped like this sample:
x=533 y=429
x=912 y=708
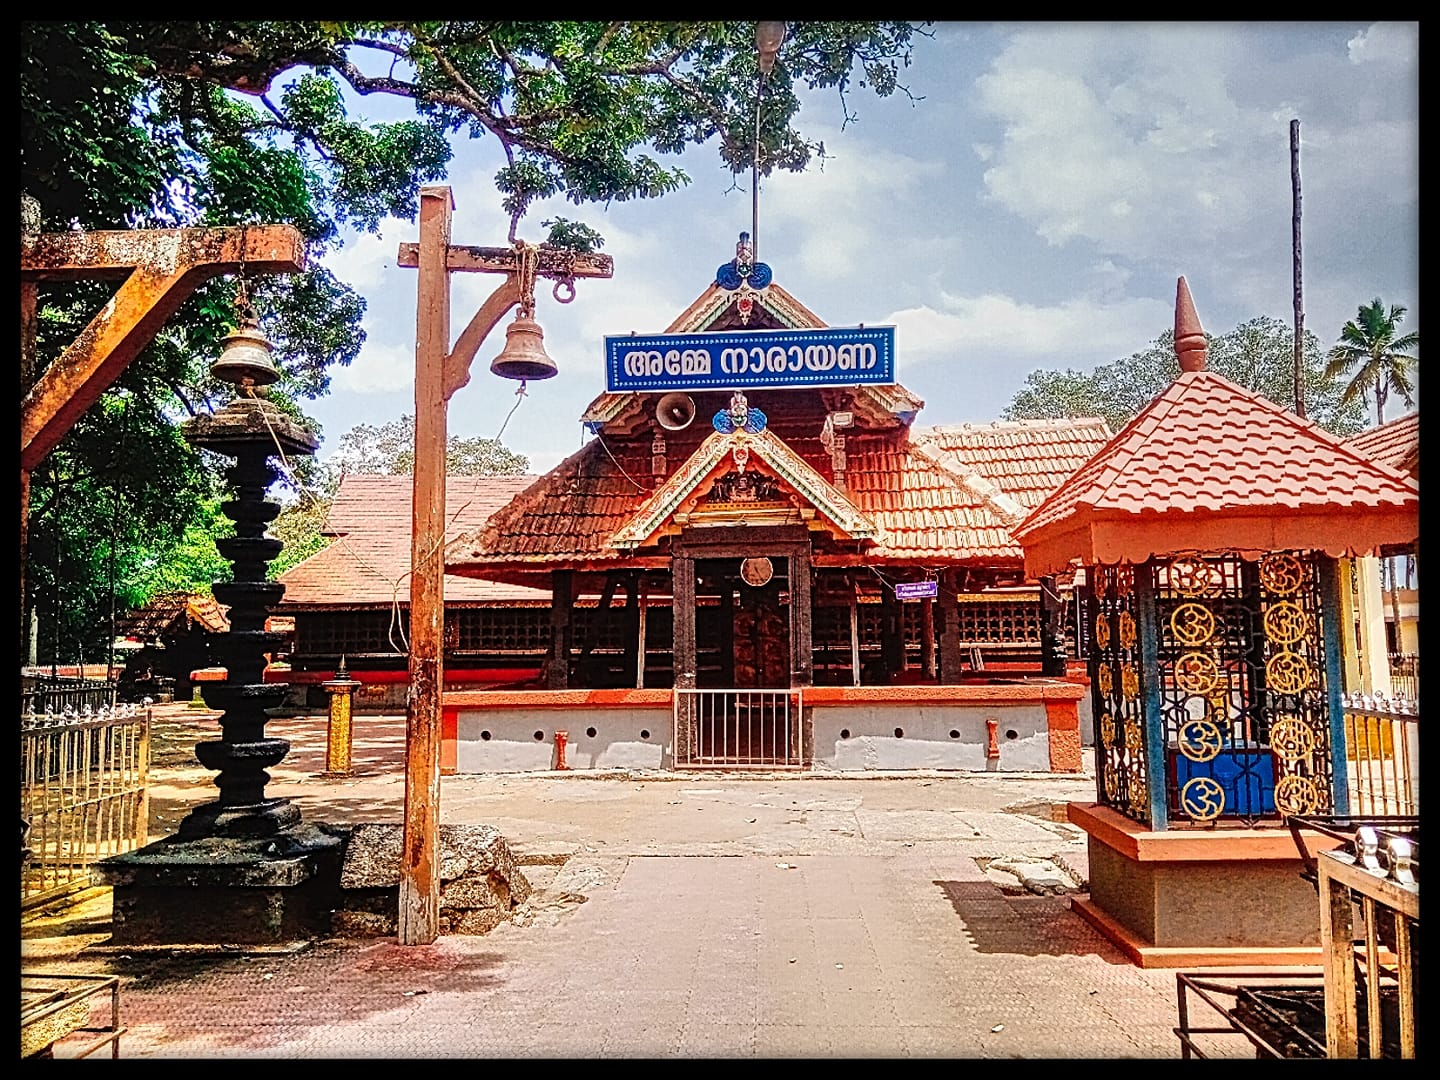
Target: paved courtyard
x=674 y=916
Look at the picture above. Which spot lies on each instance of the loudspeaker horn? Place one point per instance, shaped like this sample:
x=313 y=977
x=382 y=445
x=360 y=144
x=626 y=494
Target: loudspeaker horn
x=675 y=411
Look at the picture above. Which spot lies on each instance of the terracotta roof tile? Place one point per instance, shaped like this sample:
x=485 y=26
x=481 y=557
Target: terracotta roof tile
x=1395 y=443
x=1206 y=446
x=568 y=516
x=369 y=561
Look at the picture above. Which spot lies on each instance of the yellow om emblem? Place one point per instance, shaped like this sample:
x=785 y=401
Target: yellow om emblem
x=1192 y=624
x=1282 y=574
x=1288 y=672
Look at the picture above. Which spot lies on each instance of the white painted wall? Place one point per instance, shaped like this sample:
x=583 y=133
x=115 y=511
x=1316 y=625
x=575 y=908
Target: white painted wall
x=503 y=740
x=927 y=742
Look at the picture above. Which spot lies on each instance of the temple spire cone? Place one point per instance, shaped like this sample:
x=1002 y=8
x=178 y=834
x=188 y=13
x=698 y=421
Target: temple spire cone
x=1190 y=344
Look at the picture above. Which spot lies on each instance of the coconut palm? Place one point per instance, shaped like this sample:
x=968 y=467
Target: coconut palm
x=1384 y=360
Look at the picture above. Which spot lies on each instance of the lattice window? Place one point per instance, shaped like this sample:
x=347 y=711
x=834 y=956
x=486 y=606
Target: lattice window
x=830 y=628
x=351 y=633
x=1009 y=621
x=499 y=630
x=1241 y=666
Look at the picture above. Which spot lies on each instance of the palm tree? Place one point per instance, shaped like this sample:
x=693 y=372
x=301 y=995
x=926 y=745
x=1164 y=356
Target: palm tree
x=1384 y=360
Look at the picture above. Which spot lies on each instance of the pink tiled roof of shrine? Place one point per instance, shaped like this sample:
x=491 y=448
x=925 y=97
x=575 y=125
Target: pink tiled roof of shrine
x=1209 y=463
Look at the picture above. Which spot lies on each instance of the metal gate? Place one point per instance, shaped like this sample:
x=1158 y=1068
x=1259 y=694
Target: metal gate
x=739 y=729
x=82 y=796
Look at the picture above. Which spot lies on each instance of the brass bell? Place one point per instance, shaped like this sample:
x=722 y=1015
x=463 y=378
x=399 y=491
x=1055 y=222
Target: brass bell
x=246 y=357
x=524 y=355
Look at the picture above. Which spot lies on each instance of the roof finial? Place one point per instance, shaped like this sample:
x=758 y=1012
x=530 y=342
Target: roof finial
x=1190 y=344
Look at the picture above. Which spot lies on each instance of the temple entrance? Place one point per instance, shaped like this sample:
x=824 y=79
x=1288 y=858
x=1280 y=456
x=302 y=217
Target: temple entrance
x=742 y=623
x=742 y=706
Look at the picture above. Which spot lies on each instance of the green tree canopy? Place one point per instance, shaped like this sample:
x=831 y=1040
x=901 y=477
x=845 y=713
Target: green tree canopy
x=1381 y=360
x=1258 y=354
x=147 y=124
x=389 y=449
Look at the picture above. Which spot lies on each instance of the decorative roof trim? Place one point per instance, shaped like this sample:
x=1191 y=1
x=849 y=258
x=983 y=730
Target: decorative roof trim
x=788 y=465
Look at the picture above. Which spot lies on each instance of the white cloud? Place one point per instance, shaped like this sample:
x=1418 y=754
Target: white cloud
x=368 y=259
x=996 y=327
x=381 y=368
x=1385 y=43
x=833 y=215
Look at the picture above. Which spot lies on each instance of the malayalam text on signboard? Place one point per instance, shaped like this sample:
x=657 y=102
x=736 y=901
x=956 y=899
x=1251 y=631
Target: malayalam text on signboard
x=745 y=359
x=916 y=590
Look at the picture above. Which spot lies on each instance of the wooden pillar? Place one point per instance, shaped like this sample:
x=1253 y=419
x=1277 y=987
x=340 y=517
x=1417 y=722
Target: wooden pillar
x=802 y=648
x=892 y=639
x=419 y=913
x=562 y=604
x=640 y=635
x=927 y=636
x=682 y=589
x=949 y=628
x=682 y=592
x=854 y=630
x=635 y=645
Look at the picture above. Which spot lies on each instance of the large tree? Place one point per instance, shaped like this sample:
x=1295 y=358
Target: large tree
x=138 y=124
x=1258 y=354
x=1380 y=358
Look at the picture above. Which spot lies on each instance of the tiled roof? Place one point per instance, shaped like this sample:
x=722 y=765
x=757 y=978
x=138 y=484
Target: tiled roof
x=369 y=561
x=569 y=516
x=711 y=458
x=167 y=612
x=926 y=511
x=566 y=516
x=1209 y=465
x=1395 y=443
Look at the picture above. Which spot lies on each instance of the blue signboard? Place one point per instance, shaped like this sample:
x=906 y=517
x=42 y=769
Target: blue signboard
x=916 y=590
x=746 y=359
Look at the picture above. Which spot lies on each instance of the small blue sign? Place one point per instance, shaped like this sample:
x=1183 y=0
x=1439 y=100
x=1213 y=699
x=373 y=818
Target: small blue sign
x=746 y=359
x=916 y=590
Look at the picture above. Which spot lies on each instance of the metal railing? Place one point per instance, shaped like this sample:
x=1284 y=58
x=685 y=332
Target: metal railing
x=1382 y=755
x=1405 y=675
x=738 y=729
x=83 y=795
x=56 y=693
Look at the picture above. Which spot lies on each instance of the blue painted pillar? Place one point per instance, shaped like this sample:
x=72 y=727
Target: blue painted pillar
x=1148 y=625
x=1330 y=620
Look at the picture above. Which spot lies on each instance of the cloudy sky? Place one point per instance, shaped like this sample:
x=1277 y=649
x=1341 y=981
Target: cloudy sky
x=1031 y=209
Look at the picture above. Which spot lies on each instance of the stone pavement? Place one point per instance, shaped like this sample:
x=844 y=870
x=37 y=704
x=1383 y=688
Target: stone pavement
x=675 y=916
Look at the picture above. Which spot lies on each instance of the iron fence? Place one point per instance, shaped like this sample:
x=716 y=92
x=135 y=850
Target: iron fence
x=1382 y=755
x=1405 y=675
x=83 y=795
x=56 y=693
x=738 y=729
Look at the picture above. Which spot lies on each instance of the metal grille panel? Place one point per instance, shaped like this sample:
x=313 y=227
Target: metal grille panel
x=1115 y=687
x=83 y=796
x=738 y=729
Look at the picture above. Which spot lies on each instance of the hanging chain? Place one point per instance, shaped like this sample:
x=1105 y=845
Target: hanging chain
x=245 y=314
x=528 y=257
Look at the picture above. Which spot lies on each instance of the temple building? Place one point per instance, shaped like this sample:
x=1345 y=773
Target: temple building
x=758 y=559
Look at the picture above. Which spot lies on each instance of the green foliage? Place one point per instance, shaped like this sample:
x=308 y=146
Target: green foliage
x=1380 y=359
x=1258 y=355
x=150 y=124
x=298 y=526
x=389 y=450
